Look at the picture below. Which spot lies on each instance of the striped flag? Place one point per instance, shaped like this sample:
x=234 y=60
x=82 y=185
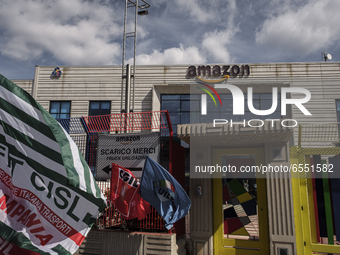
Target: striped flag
x=48 y=197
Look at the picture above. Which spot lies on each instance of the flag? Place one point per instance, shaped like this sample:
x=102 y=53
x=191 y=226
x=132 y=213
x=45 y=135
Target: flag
x=125 y=194
x=7 y=248
x=164 y=193
x=48 y=197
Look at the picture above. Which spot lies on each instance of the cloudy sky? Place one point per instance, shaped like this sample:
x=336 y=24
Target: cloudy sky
x=90 y=32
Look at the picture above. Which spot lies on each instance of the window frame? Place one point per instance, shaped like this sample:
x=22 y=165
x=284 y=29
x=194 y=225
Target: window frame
x=337 y=105
x=59 y=110
x=217 y=111
x=337 y=113
x=100 y=107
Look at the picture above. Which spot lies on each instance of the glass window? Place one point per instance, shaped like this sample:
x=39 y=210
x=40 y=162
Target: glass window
x=60 y=109
x=175 y=117
x=266 y=104
x=187 y=97
x=227 y=103
x=255 y=103
x=337 y=105
x=171 y=97
x=211 y=106
x=99 y=108
x=263 y=102
x=250 y=116
x=184 y=107
x=264 y=96
x=194 y=117
x=194 y=105
x=171 y=106
x=209 y=118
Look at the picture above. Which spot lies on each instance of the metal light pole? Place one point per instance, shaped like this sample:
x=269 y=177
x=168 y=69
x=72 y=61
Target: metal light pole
x=139 y=10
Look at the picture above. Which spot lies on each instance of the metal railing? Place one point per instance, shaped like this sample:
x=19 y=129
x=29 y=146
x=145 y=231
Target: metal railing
x=111 y=218
x=84 y=131
x=311 y=132
x=137 y=121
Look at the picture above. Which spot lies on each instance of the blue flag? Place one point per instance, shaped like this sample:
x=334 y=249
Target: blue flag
x=164 y=193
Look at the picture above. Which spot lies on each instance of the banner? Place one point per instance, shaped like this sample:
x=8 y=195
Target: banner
x=125 y=194
x=126 y=150
x=48 y=197
x=7 y=248
x=164 y=193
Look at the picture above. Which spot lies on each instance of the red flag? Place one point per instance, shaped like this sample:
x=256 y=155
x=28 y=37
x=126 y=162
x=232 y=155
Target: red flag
x=125 y=194
x=8 y=248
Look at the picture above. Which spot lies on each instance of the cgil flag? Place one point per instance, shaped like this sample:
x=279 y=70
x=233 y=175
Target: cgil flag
x=125 y=194
x=160 y=189
x=48 y=197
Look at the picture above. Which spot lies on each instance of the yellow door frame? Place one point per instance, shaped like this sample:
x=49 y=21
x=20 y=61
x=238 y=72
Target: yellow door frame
x=255 y=247
x=305 y=226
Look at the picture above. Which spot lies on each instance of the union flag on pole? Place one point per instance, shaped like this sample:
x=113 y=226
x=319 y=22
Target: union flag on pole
x=164 y=193
x=48 y=197
x=125 y=194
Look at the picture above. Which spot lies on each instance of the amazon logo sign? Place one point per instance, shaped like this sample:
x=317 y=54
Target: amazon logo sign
x=217 y=70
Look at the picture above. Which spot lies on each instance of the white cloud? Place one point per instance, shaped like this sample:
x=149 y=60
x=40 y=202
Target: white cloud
x=194 y=9
x=215 y=44
x=74 y=32
x=202 y=11
x=304 y=30
x=171 y=56
x=141 y=32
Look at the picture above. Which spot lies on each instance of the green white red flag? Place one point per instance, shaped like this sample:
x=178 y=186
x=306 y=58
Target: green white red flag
x=48 y=197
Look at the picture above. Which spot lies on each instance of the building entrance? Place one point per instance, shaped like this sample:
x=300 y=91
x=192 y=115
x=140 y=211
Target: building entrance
x=240 y=204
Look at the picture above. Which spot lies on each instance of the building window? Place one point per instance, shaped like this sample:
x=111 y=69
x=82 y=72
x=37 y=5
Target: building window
x=60 y=109
x=179 y=108
x=337 y=102
x=337 y=105
x=99 y=108
x=180 y=112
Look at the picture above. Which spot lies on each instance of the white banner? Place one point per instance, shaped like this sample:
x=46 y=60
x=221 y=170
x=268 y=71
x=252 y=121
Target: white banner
x=126 y=150
x=48 y=197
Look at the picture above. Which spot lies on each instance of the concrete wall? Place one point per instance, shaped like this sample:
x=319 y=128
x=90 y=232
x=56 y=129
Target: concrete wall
x=106 y=242
x=201 y=217
x=82 y=84
x=280 y=200
x=88 y=83
x=24 y=84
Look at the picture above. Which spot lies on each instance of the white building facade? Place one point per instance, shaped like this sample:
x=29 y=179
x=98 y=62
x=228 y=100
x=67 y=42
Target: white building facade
x=270 y=220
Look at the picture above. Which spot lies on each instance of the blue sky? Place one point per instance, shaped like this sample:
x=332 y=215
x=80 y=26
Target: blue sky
x=78 y=32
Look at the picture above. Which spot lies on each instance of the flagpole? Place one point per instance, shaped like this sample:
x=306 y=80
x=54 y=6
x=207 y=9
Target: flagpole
x=170 y=153
x=170 y=140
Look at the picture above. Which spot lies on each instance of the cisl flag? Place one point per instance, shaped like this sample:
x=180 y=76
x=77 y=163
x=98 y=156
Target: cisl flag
x=48 y=197
x=7 y=248
x=125 y=194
